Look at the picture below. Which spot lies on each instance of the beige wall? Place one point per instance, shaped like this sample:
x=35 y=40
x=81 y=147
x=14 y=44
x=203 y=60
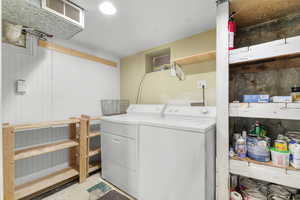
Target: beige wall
x=160 y=87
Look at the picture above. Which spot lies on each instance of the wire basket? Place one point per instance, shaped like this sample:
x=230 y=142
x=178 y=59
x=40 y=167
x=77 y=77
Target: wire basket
x=114 y=107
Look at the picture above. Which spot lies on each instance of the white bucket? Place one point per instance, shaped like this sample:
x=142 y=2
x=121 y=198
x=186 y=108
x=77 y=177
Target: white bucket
x=280 y=158
x=296 y=164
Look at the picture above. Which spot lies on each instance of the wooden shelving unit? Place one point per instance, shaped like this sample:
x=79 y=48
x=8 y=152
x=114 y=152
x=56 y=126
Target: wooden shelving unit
x=94 y=134
x=14 y=192
x=40 y=125
x=43 y=149
x=94 y=152
x=92 y=167
x=32 y=187
x=197 y=58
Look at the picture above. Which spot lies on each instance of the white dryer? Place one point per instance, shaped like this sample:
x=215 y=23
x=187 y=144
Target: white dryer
x=177 y=155
x=119 y=146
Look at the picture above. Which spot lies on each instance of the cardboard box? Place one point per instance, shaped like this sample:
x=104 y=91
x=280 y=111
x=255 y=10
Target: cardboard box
x=256 y=98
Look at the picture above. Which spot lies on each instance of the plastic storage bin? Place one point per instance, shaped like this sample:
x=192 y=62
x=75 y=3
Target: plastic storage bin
x=280 y=158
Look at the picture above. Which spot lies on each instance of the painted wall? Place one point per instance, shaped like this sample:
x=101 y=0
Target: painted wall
x=59 y=86
x=160 y=87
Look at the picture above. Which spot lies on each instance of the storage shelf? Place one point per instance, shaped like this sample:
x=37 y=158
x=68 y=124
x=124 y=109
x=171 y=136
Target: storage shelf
x=94 y=134
x=249 y=160
x=288 y=111
x=277 y=49
x=94 y=167
x=288 y=176
x=43 y=149
x=94 y=152
x=43 y=124
x=197 y=58
x=44 y=183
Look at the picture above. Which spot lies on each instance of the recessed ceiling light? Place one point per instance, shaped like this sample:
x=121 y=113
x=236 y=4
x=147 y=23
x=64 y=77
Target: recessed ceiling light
x=107 y=8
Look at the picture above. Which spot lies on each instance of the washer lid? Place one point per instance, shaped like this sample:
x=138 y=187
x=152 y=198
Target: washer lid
x=137 y=113
x=121 y=119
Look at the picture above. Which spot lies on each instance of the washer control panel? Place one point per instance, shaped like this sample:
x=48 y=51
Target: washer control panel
x=191 y=111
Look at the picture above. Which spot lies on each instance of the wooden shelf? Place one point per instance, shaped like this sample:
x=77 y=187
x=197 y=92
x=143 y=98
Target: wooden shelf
x=94 y=167
x=197 y=58
x=95 y=118
x=94 y=152
x=266 y=171
x=40 y=125
x=43 y=149
x=278 y=49
x=270 y=164
x=259 y=11
x=288 y=111
x=44 y=183
x=94 y=134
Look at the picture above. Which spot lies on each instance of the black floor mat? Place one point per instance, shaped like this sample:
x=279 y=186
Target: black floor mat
x=113 y=195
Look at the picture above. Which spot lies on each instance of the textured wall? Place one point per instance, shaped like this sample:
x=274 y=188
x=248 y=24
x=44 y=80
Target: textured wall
x=160 y=87
x=287 y=26
x=59 y=86
x=272 y=77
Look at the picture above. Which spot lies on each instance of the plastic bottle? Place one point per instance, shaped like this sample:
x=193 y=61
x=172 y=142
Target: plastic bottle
x=296 y=156
x=241 y=147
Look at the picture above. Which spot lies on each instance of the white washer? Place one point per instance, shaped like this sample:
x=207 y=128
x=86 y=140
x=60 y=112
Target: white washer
x=119 y=145
x=177 y=155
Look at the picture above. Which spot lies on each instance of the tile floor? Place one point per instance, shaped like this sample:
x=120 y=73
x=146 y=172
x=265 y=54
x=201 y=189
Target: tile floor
x=79 y=191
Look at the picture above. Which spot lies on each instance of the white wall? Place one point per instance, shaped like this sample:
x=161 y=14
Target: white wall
x=59 y=85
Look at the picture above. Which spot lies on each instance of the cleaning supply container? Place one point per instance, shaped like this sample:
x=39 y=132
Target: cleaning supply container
x=295 y=151
x=280 y=158
x=258 y=148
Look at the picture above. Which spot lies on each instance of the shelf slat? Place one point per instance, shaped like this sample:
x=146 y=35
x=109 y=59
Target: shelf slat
x=43 y=149
x=264 y=163
x=197 y=58
x=288 y=111
x=44 y=183
x=287 y=176
x=94 y=167
x=95 y=118
x=277 y=49
x=40 y=125
x=94 y=134
x=94 y=152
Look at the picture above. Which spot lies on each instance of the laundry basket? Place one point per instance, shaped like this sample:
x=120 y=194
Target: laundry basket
x=114 y=107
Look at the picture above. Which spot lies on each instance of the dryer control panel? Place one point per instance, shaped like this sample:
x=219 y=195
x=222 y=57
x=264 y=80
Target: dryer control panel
x=146 y=109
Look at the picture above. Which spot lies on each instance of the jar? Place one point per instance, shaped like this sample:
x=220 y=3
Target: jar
x=296 y=94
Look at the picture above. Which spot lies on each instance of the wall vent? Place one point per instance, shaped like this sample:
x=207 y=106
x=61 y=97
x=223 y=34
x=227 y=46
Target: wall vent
x=65 y=9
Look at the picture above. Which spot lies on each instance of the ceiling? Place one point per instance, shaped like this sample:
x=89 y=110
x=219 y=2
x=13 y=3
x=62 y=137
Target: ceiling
x=143 y=24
